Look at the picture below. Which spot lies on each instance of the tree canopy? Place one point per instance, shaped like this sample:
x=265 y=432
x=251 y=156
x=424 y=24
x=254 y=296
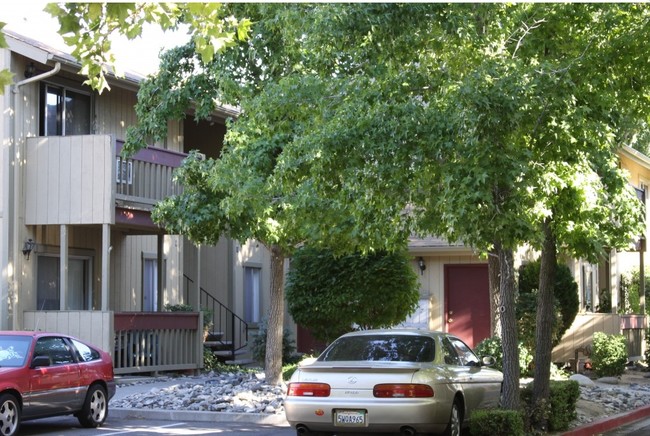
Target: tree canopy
x=492 y=124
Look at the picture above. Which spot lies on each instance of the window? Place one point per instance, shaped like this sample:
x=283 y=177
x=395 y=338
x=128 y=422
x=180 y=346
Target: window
x=467 y=356
x=587 y=288
x=55 y=348
x=64 y=111
x=84 y=352
x=390 y=348
x=252 y=294
x=150 y=285
x=48 y=285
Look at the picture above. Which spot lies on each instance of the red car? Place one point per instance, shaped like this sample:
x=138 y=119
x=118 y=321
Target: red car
x=49 y=374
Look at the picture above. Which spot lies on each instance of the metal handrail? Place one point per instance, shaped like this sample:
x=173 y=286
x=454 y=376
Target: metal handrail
x=231 y=330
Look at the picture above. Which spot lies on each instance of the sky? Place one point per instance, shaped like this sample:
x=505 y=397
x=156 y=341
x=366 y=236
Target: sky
x=140 y=55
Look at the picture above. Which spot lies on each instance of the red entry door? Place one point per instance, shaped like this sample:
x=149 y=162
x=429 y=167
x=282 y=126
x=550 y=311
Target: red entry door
x=467 y=302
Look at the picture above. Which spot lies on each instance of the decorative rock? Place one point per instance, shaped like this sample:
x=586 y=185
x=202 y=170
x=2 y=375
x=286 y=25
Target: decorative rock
x=582 y=380
x=609 y=380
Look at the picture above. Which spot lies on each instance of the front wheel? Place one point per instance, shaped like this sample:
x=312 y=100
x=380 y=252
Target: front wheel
x=9 y=415
x=455 y=421
x=95 y=408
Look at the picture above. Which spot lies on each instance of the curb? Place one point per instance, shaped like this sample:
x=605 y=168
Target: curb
x=198 y=416
x=609 y=423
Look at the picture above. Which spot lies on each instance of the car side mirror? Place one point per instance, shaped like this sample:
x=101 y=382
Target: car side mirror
x=488 y=361
x=40 y=361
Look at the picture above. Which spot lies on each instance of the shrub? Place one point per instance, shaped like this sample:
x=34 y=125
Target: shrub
x=561 y=411
x=609 y=354
x=492 y=347
x=489 y=422
x=258 y=346
x=565 y=301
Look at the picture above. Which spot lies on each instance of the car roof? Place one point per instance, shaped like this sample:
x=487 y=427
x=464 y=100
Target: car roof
x=399 y=331
x=30 y=333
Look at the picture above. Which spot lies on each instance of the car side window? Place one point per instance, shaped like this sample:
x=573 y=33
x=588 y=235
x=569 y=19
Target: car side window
x=467 y=356
x=84 y=352
x=55 y=348
x=449 y=353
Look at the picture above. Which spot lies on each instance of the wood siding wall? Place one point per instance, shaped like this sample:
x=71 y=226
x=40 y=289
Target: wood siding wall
x=95 y=327
x=69 y=180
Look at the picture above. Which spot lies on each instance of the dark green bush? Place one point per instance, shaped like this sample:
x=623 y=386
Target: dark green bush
x=647 y=347
x=492 y=347
x=630 y=295
x=565 y=301
x=609 y=354
x=490 y=422
x=562 y=410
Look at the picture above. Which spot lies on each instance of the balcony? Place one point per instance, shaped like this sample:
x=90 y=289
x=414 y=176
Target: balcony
x=84 y=180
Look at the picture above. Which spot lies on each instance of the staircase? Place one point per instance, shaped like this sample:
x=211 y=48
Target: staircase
x=228 y=336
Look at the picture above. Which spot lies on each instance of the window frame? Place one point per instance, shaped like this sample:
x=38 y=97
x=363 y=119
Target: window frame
x=61 y=111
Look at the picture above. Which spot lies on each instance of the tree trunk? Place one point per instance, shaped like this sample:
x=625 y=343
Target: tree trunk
x=275 y=327
x=495 y=292
x=544 y=326
x=509 y=340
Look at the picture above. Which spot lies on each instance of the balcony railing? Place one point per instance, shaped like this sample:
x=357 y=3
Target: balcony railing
x=84 y=180
x=146 y=177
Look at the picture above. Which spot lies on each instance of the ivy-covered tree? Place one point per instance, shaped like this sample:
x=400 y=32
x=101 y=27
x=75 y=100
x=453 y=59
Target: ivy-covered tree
x=330 y=294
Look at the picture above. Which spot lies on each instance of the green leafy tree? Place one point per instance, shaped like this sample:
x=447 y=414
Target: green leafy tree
x=329 y=294
x=5 y=75
x=492 y=124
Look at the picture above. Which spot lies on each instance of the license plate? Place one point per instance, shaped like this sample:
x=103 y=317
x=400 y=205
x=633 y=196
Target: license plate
x=350 y=418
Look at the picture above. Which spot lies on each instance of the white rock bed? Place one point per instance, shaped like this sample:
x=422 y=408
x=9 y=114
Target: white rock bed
x=228 y=392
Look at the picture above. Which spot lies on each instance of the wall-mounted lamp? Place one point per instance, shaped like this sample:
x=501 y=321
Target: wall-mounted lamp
x=28 y=247
x=30 y=70
x=422 y=265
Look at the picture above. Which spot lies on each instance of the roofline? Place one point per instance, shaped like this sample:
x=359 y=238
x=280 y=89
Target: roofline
x=636 y=156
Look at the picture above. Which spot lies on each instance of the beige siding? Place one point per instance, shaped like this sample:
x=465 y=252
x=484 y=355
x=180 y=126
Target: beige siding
x=69 y=180
x=93 y=327
x=581 y=332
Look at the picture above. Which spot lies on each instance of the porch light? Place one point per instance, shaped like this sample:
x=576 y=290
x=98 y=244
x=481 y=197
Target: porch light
x=28 y=247
x=422 y=265
x=30 y=70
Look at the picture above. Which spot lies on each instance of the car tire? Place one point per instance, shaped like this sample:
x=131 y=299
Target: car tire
x=9 y=415
x=95 y=408
x=455 y=421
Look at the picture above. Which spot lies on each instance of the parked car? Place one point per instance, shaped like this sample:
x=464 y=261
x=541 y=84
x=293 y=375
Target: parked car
x=48 y=374
x=402 y=380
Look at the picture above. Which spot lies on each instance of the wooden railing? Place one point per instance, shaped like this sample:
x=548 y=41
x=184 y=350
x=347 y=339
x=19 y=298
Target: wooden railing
x=152 y=342
x=146 y=177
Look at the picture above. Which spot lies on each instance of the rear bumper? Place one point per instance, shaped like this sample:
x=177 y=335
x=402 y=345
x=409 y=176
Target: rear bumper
x=111 y=387
x=385 y=415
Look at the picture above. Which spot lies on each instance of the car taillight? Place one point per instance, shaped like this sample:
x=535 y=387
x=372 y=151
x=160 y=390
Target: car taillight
x=402 y=391
x=308 y=390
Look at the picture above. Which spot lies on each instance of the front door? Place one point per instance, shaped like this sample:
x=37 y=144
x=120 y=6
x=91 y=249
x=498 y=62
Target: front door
x=467 y=302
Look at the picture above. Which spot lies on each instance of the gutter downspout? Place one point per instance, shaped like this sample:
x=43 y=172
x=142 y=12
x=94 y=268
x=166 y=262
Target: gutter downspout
x=18 y=145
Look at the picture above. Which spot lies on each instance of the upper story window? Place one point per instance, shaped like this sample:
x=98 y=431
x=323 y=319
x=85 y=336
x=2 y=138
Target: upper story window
x=64 y=111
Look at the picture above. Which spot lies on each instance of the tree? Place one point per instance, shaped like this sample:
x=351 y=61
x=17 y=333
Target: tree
x=5 y=75
x=492 y=124
x=328 y=294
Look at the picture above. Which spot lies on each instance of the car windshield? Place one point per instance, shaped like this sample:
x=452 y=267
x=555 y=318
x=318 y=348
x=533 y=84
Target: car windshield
x=392 y=348
x=13 y=350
